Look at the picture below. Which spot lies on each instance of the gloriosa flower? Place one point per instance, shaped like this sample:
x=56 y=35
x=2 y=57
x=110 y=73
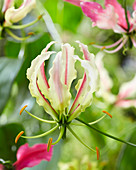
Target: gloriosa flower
x=54 y=94
x=112 y=17
x=62 y=74
x=10 y=15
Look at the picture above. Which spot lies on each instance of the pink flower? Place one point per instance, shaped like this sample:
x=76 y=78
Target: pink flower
x=31 y=156
x=112 y=17
x=126 y=94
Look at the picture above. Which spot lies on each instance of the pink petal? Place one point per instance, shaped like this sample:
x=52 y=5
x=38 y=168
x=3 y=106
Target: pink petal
x=127 y=89
x=120 y=11
x=1 y=167
x=91 y=10
x=134 y=5
x=7 y=4
x=126 y=103
x=103 y=18
x=74 y=2
x=31 y=156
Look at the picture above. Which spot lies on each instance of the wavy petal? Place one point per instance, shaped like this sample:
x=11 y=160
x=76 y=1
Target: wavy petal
x=69 y=62
x=59 y=94
x=134 y=5
x=103 y=18
x=87 y=85
x=119 y=11
x=32 y=73
x=92 y=10
x=13 y=15
x=31 y=156
x=7 y=4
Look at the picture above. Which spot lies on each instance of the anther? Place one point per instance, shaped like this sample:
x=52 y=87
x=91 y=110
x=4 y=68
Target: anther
x=23 y=108
x=18 y=136
x=31 y=33
x=49 y=144
x=107 y=113
x=103 y=48
x=39 y=17
x=98 y=153
x=91 y=43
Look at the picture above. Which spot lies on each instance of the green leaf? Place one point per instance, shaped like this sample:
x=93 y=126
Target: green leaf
x=8 y=71
x=8 y=148
x=127 y=155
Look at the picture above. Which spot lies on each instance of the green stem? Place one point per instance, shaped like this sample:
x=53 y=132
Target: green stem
x=41 y=135
x=103 y=133
x=69 y=128
x=126 y=16
x=40 y=119
x=60 y=135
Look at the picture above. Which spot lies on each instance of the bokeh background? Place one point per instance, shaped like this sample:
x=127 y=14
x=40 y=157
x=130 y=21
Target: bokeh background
x=64 y=22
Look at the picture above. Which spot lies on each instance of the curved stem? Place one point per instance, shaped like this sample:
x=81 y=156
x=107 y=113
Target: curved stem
x=106 y=134
x=60 y=135
x=69 y=128
x=41 y=135
x=40 y=119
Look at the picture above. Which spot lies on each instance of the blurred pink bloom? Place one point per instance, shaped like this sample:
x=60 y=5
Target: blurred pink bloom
x=112 y=17
x=1 y=167
x=126 y=94
x=31 y=156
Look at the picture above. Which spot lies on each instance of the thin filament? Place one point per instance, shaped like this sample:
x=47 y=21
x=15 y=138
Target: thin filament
x=16 y=37
x=60 y=135
x=40 y=119
x=41 y=135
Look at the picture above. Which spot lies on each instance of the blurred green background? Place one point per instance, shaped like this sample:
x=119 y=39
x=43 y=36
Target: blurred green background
x=64 y=22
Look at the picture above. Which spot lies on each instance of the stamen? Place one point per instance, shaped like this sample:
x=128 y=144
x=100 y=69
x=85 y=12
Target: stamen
x=31 y=33
x=18 y=136
x=49 y=144
x=40 y=119
x=103 y=48
x=23 y=108
x=16 y=37
x=25 y=25
x=60 y=135
x=91 y=123
x=91 y=43
x=98 y=153
x=41 y=135
x=107 y=113
x=39 y=17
